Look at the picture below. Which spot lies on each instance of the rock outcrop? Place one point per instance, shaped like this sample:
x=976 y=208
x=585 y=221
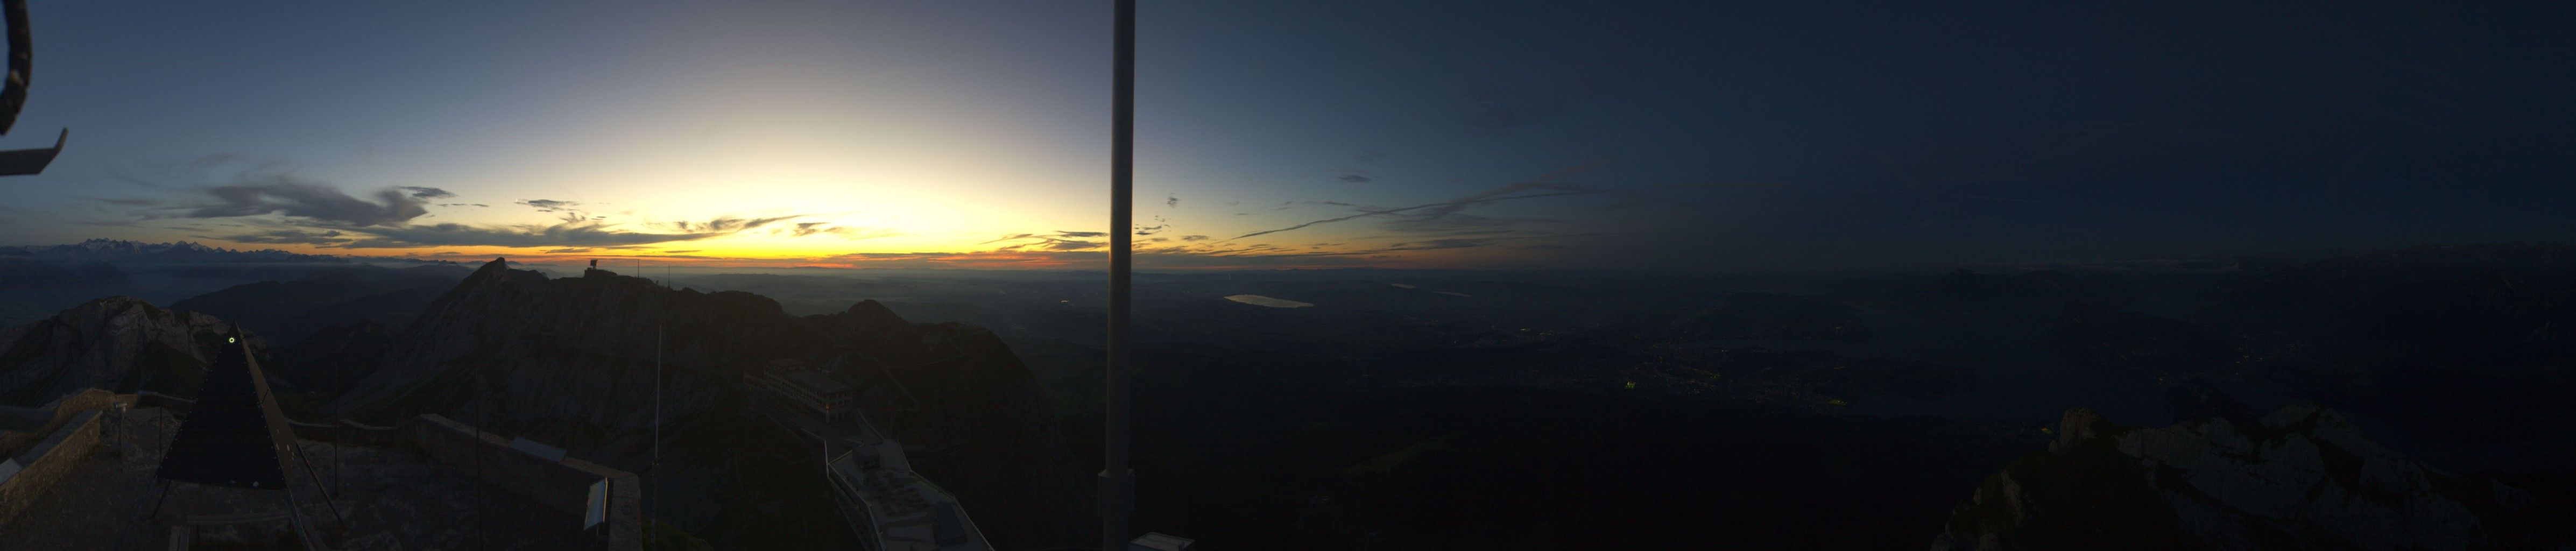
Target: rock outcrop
x=2299 y=478
x=985 y=427
x=118 y=343
x=290 y=311
x=514 y=347
x=572 y=362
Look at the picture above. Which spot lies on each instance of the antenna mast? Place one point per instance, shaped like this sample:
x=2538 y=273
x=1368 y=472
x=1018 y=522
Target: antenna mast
x=1117 y=483
x=656 y=467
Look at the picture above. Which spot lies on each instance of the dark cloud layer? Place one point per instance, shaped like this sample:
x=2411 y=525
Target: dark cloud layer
x=729 y=224
x=426 y=193
x=285 y=236
x=293 y=197
x=1058 y=241
x=549 y=205
x=566 y=234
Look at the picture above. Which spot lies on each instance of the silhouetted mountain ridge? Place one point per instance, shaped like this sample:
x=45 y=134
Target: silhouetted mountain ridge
x=116 y=343
x=572 y=362
x=289 y=311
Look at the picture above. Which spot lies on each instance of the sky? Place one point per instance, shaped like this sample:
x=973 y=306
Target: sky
x=1641 y=135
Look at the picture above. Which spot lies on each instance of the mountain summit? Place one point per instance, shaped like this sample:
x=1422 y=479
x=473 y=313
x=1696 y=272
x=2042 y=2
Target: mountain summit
x=2300 y=478
x=117 y=343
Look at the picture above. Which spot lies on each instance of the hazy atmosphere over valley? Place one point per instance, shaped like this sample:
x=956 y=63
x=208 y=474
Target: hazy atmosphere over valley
x=840 y=275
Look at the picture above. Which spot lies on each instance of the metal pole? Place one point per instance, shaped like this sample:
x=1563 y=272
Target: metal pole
x=1117 y=482
x=656 y=467
x=317 y=485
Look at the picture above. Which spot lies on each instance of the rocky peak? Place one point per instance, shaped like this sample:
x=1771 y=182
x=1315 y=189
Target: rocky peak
x=871 y=312
x=574 y=361
x=2301 y=478
x=520 y=324
x=119 y=343
x=2080 y=425
x=498 y=270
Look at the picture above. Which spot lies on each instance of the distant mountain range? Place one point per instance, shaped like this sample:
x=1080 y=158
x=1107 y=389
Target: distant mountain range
x=115 y=250
x=37 y=281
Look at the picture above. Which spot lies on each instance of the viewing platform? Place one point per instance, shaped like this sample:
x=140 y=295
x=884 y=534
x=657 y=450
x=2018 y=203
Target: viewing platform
x=429 y=483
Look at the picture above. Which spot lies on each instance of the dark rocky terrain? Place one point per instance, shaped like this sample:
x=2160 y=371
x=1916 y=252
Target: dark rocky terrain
x=2299 y=478
x=116 y=343
x=1411 y=409
x=2464 y=351
x=291 y=311
x=37 y=281
x=572 y=362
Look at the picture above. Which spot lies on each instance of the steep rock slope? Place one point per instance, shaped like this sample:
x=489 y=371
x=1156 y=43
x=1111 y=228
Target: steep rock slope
x=985 y=426
x=2300 y=478
x=572 y=359
x=572 y=362
x=117 y=343
x=289 y=311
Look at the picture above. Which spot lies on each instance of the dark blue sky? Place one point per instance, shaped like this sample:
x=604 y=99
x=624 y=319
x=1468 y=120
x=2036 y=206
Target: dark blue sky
x=1706 y=136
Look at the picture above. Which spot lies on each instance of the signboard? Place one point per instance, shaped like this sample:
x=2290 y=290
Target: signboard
x=597 y=510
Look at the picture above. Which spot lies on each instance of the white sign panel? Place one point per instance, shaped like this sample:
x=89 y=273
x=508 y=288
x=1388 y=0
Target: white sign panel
x=597 y=511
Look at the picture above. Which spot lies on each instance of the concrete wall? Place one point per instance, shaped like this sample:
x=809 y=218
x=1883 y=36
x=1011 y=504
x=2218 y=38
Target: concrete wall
x=42 y=456
x=561 y=485
x=62 y=410
x=47 y=461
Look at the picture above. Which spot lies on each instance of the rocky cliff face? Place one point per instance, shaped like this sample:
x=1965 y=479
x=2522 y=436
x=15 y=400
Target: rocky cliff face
x=116 y=343
x=571 y=362
x=2300 y=478
x=290 y=311
x=572 y=358
x=983 y=425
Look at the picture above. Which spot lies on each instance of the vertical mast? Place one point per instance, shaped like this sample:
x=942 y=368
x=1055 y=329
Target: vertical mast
x=656 y=467
x=1117 y=483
